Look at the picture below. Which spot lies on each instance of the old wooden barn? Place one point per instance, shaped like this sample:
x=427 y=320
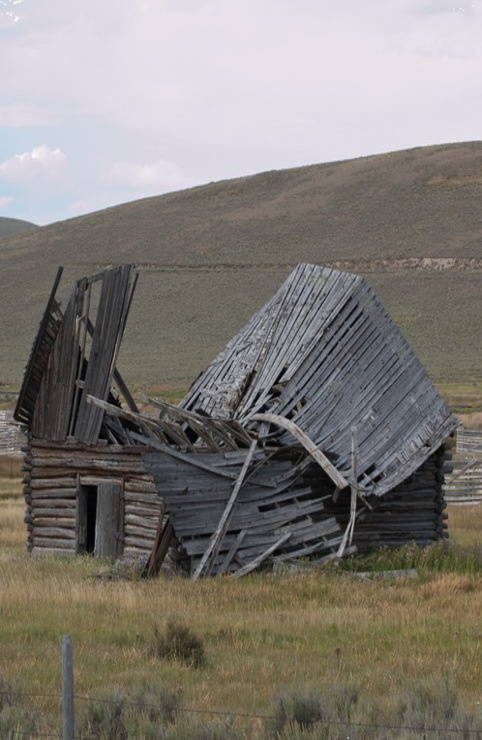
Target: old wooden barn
x=316 y=432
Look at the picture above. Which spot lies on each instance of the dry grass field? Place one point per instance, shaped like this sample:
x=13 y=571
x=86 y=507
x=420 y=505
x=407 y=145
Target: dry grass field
x=264 y=637
x=343 y=651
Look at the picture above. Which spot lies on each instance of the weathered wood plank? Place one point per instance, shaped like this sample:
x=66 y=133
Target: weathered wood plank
x=51 y=483
x=257 y=561
x=48 y=547
x=62 y=533
x=41 y=521
x=213 y=547
x=53 y=509
x=307 y=443
x=53 y=493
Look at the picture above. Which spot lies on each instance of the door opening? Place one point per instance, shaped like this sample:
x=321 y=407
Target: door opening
x=90 y=518
x=100 y=516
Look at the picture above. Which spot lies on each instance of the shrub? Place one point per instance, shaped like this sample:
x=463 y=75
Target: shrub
x=434 y=700
x=8 y=694
x=146 y=713
x=104 y=719
x=300 y=710
x=438 y=557
x=195 y=728
x=433 y=707
x=178 y=643
x=15 y=720
x=429 y=709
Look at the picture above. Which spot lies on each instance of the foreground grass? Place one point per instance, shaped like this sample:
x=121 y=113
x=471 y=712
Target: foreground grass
x=264 y=636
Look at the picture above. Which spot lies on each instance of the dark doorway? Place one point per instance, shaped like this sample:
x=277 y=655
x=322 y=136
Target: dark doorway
x=91 y=513
x=100 y=516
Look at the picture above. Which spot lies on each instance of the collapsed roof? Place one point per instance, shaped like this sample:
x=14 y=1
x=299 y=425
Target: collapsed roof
x=323 y=356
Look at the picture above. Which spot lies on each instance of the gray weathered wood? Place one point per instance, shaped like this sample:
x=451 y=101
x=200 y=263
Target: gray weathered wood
x=213 y=547
x=257 y=561
x=308 y=444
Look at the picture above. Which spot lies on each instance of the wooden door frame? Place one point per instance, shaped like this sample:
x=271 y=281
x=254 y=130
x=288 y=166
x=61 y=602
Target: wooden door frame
x=107 y=540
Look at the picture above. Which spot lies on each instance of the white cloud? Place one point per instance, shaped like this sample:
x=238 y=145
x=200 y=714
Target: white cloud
x=42 y=163
x=153 y=177
x=9 y=12
x=229 y=87
x=6 y=200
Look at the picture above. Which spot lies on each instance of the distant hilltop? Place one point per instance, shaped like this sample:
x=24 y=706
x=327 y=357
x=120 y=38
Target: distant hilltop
x=211 y=256
x=10 y=226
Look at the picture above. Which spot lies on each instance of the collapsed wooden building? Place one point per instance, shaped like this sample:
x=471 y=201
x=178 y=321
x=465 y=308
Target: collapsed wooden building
x=316 y=432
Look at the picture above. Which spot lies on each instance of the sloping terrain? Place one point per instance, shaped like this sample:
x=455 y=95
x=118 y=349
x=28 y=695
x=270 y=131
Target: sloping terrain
x=9 y=226
x=410 y=221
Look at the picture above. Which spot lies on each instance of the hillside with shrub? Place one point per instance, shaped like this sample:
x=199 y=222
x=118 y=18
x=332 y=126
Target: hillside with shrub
x=210 y=256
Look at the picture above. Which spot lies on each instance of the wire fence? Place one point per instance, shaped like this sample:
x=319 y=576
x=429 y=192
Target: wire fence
x=142 y=706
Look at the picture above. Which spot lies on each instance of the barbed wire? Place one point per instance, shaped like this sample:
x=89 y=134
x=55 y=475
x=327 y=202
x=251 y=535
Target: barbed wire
x=142 y=705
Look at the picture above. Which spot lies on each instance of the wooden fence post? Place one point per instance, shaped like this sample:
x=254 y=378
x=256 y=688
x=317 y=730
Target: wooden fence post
x=68 y=721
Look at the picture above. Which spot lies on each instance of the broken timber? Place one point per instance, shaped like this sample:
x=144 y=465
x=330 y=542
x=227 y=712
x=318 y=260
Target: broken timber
x=315 y=432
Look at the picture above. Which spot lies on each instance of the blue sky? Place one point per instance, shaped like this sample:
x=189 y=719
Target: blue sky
x=105 y=102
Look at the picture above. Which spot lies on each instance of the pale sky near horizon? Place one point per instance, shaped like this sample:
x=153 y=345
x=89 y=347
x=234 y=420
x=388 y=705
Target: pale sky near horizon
x=105 y=102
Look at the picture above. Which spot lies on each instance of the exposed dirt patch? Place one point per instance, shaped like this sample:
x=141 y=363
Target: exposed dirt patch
x=434 y=264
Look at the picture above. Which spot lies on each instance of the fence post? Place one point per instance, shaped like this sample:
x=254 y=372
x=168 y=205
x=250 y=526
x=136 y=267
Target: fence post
x=68 y=722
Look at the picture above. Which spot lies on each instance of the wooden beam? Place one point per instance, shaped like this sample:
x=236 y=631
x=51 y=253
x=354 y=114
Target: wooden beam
x=216 y=539
x=317 y=455
x=232 y=552
x=257 y=561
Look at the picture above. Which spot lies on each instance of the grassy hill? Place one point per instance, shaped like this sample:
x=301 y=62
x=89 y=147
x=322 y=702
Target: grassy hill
x=9 y=226
x=409 y=221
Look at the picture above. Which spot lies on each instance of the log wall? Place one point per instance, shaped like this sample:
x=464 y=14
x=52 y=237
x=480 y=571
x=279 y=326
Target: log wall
x=414 y=511
x=53 y=476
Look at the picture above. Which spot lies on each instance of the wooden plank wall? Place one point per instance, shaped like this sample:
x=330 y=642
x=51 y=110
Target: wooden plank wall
x=83 y=367
x=51 y=483
x=302 y=508
x=12 y=436
x=275 y=501
x=464 y=483
x=39 y=356
x=114 y=303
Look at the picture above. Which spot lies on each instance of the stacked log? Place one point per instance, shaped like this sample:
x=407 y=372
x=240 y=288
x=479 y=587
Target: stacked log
x=52 y=514
x=413 y=512
x=143 y=509
x=53 y=474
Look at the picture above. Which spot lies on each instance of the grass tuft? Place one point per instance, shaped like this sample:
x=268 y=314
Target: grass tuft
x=178 y=643
x=439 y=557
x=432 y=707
x=116 y=715
x=17 y=721
x=304 y=710
x=8 y=694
